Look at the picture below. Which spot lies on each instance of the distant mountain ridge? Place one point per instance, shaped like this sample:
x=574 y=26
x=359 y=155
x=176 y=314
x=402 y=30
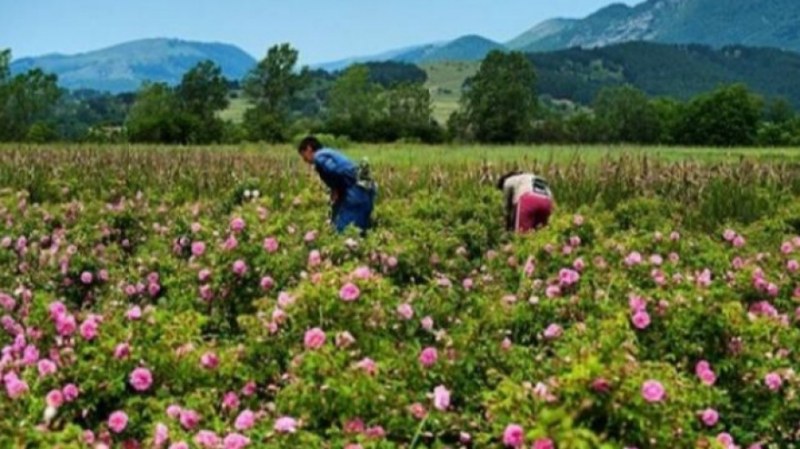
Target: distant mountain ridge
x=126 y=66
x=766 y=23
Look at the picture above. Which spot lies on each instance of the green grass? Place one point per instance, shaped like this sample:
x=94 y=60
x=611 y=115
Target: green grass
x=235 y=110
x=444 y=82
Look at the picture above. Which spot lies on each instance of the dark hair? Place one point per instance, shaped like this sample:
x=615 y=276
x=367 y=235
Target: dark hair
x=503 y=178
x=309 y=141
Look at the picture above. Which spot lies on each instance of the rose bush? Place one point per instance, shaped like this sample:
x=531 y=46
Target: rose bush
x=152 y=321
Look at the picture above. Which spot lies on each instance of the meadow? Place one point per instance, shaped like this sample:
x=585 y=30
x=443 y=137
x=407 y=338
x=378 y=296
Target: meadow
x=180 y=297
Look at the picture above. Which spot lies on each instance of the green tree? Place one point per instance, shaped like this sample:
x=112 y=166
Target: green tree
x=26 y=100
x=202 y=93
x=624 y=114
x=408 y=111
x=779 y=111
x=157 y=117
x=500 y=100
x=270 y=87
x=728 y=116
x=669 y=113
x=355 y=105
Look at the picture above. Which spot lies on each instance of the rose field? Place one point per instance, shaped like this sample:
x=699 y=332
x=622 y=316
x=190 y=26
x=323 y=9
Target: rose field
x=156 y=297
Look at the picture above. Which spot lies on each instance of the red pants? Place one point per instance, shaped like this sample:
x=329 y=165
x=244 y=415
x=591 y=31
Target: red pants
x=533 y=211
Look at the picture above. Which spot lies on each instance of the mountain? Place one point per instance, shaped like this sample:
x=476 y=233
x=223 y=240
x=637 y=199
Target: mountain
x=465 y=48
x=125 y=67
x=766 y=23
x=674 y=70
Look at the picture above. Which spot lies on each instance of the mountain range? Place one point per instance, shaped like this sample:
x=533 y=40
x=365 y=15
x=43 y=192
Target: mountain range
x=126 y=66
x=716 y=23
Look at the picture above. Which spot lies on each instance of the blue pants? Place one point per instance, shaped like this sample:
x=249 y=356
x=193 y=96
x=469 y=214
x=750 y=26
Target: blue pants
x=355 y=209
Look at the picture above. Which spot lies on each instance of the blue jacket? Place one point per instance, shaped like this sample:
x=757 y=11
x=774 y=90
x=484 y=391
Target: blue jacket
x=354 y=204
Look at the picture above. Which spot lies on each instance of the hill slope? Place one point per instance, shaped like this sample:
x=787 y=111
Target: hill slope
x=578 y=74
x=717 y=23
x=126 y=66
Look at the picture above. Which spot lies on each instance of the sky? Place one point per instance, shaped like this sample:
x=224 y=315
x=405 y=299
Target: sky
x=322 y=30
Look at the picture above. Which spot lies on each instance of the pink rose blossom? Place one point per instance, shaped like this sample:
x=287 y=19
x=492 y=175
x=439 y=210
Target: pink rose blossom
x=709 y=417
x=266 y=283
x=141 y=379
x=314 y=258
x=207 y=439
x=198 y=249
x=349 y=292
x=249 y=389
x=122 y=351
x=441 y=398
x=739 y=241
x=405 y=311
x=161 y=435
x=189 y=419
x=543 y=443
x=286 y=424
x=368 y=366
x=653 y=391
x=427 y=323
x=633 y=259
x=553 y=331
x=793 y=266
x=245 y=421
x=285 y=300
x=729 y=235
x=174 y=411
x=641 y=320
x=428 y=357
x=179 y=445
x=88 y=329
x=344 y=339
x=513 y=436
x=86 y=278
x=239 y=268
x=209 y=360
x=726 y=440
x=230 y=401
x=237 y=224
x=773 y=381
x=46 y=367
x=55 y=398
x=270 y=244
x=134 y=313
x=118 y=421
x=314 y=338
x=70 y=392
x=235 y=441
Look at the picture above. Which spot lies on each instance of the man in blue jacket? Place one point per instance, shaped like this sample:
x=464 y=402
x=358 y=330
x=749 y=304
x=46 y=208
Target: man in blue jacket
x=352 y=190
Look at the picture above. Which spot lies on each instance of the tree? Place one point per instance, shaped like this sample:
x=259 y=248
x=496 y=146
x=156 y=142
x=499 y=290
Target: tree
x=157 y=117
x=624 y=114
x=354 y=105
x=408 y=111
x=728 y=116
x=26 y=100
x=500 y=100
x=271 y=86
x=202 y=93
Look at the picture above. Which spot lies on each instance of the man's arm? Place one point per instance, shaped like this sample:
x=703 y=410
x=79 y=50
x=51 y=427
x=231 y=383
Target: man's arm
x=334 y=174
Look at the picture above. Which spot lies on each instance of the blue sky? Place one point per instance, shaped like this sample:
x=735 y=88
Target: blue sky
x=323 y=30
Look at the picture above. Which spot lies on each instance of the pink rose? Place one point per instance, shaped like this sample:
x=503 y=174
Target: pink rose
x=88 y=329
x=513 y=436
x=427 y=323
x=314 y=258
x=349 y=292
x=368 y=366
x=286 y=424
x=118 y=421
x=553 y=331
x=55 y=398
x=134 y=313
x=709 y=417
x=314 y=338
x=405 y=311
x=428 y=357
x=198 y=248
x=237 y=224
x=235 y=441
x=209 y=360
x=160 y=435
x=543 y=443
x=189 y=419
x=441 y=398
x=653 y=391
x=773 y=381
x=230 y=401
x=179 y=445
x=267 y=283
x=122 y=351
x=86 y=278
x=245 y=420
x=239 y=268
x=70 y=392
x=641 y=319
x=174 y=411
x=207 y=439
x=141 y=379
x=46 y=367
x=417 y=410
x=270 y=244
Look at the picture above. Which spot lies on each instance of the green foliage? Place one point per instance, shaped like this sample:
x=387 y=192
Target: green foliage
x=26 y=103
x=499 y=102
x=271 y=86
x=625 y=114
x=728 y=116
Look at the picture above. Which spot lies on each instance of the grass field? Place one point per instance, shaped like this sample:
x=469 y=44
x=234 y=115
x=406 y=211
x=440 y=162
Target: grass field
x=445 y=80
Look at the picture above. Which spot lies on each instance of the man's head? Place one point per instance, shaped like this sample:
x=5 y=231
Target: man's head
x=308 y=147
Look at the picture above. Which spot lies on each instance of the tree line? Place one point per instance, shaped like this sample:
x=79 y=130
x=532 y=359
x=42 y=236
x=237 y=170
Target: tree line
x=381 y=102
